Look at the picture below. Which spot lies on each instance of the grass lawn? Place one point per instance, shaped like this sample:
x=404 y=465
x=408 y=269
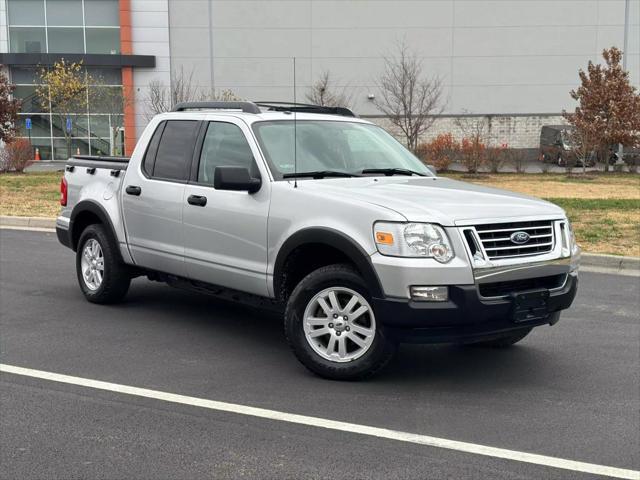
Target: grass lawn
x=30 y=194
x=604 y=209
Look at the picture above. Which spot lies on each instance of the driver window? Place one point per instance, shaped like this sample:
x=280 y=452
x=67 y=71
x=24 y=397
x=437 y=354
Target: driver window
x=224 y=145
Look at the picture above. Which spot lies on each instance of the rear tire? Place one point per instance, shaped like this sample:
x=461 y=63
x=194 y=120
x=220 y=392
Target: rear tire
x=505 y=341
x=331 y=327
x=102 y=276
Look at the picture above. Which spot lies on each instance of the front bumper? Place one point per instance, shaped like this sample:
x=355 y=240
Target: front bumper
x=466 y=316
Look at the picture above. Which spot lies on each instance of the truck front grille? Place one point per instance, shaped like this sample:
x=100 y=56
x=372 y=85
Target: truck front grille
x=516 y=239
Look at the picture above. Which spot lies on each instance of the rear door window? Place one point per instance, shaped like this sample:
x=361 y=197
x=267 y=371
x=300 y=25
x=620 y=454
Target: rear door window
x=175 y=151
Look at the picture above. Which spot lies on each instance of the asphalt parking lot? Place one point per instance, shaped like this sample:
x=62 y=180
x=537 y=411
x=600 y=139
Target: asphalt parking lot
x=570 y=391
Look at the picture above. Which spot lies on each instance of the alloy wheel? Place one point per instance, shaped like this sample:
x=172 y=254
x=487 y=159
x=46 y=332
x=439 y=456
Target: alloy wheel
x=339 y=324
x=92 y=264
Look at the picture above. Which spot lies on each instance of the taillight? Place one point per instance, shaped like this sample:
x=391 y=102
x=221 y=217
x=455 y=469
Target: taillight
x=63 y=192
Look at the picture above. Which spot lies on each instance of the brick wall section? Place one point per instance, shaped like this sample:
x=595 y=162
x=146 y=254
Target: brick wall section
x=518 y=131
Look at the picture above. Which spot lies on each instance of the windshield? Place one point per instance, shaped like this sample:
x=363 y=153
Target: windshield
x=323 y=145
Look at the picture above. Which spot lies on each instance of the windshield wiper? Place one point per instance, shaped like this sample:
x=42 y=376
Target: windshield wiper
x=392 y=171
x=319 y=174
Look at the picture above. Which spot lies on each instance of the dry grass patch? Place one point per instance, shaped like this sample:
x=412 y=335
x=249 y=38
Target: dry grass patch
x=30 y=194
x=561 y=186
x=605 y=226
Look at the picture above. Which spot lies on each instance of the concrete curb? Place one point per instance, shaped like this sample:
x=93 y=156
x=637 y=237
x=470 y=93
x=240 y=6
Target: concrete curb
x=614 y=262
x=599 y=261
x=27 y=222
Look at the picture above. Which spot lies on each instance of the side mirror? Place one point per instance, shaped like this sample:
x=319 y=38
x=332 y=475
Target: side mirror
x=235 y=178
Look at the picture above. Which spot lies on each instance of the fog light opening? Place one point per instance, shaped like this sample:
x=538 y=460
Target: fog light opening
x=429 y=294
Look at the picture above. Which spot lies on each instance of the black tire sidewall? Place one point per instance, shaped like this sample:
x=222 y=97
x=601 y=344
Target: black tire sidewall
x=344 y=276
x=115 y=281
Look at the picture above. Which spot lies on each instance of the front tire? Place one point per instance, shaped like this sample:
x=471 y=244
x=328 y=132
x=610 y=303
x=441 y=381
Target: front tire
x=331 y=327
x=103 y=278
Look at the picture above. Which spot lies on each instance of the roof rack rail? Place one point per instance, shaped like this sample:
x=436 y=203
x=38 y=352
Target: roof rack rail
x=247 y=107
x=305 y=108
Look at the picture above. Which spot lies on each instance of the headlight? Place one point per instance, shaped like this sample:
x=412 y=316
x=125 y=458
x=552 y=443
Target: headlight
x=573 y=244
x=413 y=240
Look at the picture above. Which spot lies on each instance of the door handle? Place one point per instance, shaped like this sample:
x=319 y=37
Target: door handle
x=198 y=200
x=133 y=190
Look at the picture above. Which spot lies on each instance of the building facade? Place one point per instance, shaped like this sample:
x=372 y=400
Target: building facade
x=511 y=61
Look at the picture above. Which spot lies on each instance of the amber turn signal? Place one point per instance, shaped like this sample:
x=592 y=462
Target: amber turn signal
x=384 y=238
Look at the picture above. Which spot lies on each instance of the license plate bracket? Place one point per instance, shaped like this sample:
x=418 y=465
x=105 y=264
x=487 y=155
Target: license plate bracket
x=530 y=305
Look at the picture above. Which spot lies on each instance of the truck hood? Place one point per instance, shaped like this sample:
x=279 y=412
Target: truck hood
x=437 y=199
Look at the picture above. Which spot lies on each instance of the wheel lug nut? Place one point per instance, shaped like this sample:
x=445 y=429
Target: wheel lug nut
x=331 y=325
x=335 y=315
x=347 y=329
x=338 y=333
x=345 y=318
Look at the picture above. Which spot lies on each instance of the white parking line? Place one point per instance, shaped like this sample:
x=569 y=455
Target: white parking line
x=473 y=448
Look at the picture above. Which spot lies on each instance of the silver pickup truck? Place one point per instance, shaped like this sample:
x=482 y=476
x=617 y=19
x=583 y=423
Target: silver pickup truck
x=326 y=218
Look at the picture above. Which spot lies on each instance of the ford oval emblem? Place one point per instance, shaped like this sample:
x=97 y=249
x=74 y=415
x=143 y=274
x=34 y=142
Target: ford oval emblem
x=519 y=238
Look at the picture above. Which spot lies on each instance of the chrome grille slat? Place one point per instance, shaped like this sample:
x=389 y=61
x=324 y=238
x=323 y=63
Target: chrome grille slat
x=505 y=239
x=511 y=229
x=520 y=246
x=496 y=238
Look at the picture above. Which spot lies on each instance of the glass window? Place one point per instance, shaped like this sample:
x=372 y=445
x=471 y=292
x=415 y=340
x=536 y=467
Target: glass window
x=106 y=100
x=103 y=40
x=152 y=149
x=62 y=150
x=100 y=146
x=22 y=75
x=99 y=126
x=31 y=102
x=44 y=147
x=26 y=12
x=175 y=150
x=27 y=40
x=105 y=76
x=66 y=40
x=64 y=12
x=101 y=12
x=40 y=125
x=348 y=147
x=224 y=145
x=79 y=125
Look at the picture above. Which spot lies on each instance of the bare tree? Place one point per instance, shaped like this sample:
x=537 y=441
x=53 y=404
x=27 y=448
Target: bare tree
x=324 y=93
x=161 y=98
x=475 y=138
x=584 y=145
x=407 y=96
x=111 y=101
